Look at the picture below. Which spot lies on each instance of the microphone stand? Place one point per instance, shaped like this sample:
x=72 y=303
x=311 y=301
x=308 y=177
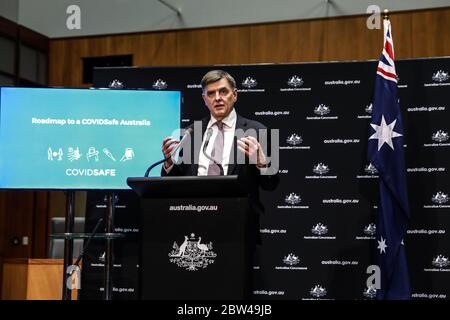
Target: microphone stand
x=68 y=241
x=93 y=233
x=109 y=253
x=76 y=265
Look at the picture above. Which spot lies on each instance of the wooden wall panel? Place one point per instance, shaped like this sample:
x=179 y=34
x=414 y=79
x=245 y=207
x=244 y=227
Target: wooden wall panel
x=312 y=42
x=65 y=63
x=416 y=34
x=278 y=42
x=58 y=60
x=228 y=45
x=23 y=213
x=431 y=33
x=192 y=47
x=350 y=39
x=18 y=218
x=147 y=50
x=39 y=242
x=153 y=49
x=79 y=49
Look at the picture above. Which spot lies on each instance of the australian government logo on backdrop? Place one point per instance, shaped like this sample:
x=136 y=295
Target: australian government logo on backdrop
x=440 y=263
x=440 y=200
x=192 y=254
x=291 y=262
x=368 y=112
x=321 y=171
x=294 y=141
x=439 y=138
x=322 y=112
x=295 y=83
x=250 y=84
x=370 y=172
x=439 y=78
x=370 y=292
x=116 y=84
x=159 y=84
x=317 y=292
x=369 y=232
x=292 y=201
x=320 y=232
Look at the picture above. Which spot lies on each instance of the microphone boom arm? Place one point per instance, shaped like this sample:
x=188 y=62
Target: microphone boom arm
x=154 y=165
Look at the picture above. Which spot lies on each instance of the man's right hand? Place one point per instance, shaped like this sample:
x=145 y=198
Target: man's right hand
x=168 y=145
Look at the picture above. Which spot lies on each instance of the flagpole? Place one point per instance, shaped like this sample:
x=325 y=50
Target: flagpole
x=386 y=14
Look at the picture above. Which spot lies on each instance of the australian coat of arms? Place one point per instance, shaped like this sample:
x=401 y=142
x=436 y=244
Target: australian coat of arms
x=192 y=254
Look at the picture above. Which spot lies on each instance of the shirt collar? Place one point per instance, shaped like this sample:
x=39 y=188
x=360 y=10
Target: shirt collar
x=229 y=121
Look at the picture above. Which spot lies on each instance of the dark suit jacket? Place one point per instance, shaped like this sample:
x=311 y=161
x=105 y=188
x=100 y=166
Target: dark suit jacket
x=248 y=174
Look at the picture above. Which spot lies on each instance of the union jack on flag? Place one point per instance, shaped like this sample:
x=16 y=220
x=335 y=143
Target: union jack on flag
x=386 y=65
x=385 y=151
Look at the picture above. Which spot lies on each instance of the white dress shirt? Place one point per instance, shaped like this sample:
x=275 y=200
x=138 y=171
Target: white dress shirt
x=229 y=126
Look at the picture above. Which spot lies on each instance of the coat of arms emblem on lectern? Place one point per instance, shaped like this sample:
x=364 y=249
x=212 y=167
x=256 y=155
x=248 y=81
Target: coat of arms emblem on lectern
x=192 y=254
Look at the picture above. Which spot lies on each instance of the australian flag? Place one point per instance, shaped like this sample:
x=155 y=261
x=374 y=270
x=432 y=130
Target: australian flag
x=385 y=152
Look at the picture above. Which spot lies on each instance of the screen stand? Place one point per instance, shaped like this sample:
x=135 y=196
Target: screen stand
x=109 y=254
x=68 y=242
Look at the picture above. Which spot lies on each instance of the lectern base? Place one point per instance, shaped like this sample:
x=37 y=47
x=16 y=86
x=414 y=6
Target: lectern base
x=194 y=249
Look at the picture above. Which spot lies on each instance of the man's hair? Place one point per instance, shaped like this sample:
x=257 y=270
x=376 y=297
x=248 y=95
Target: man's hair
x=216 y=75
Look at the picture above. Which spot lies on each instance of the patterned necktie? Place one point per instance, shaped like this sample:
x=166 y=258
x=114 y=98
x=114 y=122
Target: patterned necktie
x=217 y=152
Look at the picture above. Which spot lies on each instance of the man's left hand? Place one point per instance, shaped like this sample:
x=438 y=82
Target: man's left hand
x=252 y=149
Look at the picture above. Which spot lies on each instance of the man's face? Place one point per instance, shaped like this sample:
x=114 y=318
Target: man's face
x=219 y=97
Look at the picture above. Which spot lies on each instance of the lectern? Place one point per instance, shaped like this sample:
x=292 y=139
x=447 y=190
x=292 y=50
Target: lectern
x=194 y=241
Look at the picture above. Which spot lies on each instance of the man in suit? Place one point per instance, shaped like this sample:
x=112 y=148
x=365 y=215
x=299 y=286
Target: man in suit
x=219 y=93
x=226 y=130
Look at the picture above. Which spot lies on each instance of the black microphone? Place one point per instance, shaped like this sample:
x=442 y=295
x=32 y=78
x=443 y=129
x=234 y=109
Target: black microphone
x=172 y=153
x=208 y=137
x=205 y=145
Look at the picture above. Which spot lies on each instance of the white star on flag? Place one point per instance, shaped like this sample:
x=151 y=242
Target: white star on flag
x=382 y=245
x=384 y=133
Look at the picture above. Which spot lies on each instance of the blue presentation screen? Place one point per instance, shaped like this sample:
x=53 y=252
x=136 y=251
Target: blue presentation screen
x=82 y=138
